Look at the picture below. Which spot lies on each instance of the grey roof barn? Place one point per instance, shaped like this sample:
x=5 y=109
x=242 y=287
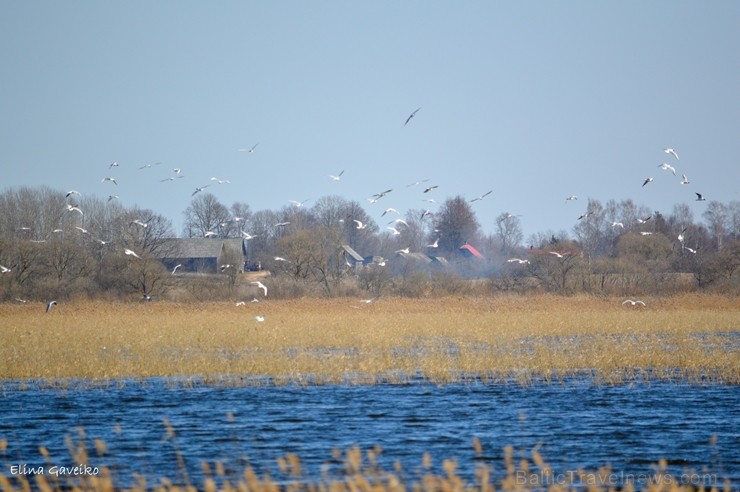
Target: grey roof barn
x=204 y=255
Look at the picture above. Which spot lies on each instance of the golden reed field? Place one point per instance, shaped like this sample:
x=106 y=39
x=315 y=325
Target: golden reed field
x=319 y=341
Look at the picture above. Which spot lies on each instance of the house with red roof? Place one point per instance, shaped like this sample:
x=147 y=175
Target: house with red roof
x=468 y=251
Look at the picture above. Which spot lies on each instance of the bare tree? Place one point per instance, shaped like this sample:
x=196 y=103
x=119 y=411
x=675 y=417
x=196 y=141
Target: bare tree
x=547 y=239
x=456 y=224
x=591 y=230
x=729 y=259
x=231 y=266
x=375 y=279
x=240 y=215
x=147 y=234
x=335 y=212
x=358 y=236
x=262 y=226
x=630 y=213
x=331 y=211
x=145 y=274
x=299 y=218
x=66 y=260
x=205 y=214
x=314 y=256
x=734 y=223
x=508 y=232
x=554 y=267
x=26 y=261
x=142 y=230
x=682 y=216
x=416 y=233
x=32 y=213
x=644 y=248
x=717 y=217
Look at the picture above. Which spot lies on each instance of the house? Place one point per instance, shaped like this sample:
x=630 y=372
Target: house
x=469 y=251
x=352 y=257
x=425 y=260
x=440 y=261
x=373 y=260
x=419 y=258
x=204 y=255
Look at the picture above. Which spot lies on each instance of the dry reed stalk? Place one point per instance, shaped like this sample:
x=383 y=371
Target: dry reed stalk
x=340 y=340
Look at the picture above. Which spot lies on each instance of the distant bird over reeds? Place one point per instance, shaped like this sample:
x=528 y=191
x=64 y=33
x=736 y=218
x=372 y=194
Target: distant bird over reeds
x=633 y=302
x=49 y=305
x=260 y=285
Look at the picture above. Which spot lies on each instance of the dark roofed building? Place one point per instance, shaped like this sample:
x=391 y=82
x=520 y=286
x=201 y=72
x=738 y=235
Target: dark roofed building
x=440 y=260
x=420 y=258
x=352 y=257
x=424 y=260
x=373 y=260
x=204 y=255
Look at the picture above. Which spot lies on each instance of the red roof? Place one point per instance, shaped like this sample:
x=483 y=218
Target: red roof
x=468 y=248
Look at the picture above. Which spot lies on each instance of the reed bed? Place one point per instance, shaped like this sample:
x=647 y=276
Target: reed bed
x=318 y=341
x=350 y=470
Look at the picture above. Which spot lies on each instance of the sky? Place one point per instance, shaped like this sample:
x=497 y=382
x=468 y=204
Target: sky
x=533 y=100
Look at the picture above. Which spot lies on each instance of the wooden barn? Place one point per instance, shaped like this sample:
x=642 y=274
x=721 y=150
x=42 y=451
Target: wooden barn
x=352 y=257
x=205 y=255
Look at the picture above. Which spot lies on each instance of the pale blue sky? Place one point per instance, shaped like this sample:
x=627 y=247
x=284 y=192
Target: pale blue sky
x=534 y=100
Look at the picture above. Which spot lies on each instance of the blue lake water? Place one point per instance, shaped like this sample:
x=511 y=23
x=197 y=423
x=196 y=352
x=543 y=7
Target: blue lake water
x=577 y=425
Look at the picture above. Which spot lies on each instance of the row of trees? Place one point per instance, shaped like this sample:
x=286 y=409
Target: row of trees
x=344 y=221
x=56 y=244
x=619 y=245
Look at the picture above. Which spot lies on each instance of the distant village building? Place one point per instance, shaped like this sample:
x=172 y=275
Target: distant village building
x=419 y=258
x=440 y=261
x=374 y=260
x=424 y=259
x=469 y=251
x=204 y=255
x=352 y=257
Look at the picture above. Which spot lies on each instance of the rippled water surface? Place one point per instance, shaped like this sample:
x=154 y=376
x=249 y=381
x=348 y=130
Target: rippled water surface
x=578 y=424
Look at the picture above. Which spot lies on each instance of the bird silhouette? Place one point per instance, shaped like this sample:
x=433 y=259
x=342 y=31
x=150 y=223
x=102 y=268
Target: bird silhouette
x=411 y=116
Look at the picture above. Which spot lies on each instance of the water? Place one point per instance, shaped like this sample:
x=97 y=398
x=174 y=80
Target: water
x=577 y=425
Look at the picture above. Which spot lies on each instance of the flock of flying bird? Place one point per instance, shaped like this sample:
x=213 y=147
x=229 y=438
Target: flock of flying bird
x=177 y=173
x=681 y=237
x=667 y=167
x=684 y=181
x=394 y=230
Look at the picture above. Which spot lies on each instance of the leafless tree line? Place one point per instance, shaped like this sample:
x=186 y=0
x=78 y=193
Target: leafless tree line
x=58 y=244
x=53 y=244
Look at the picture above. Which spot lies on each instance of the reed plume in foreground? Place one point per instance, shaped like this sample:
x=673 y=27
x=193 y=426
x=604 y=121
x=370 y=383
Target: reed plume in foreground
x=353 y=470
